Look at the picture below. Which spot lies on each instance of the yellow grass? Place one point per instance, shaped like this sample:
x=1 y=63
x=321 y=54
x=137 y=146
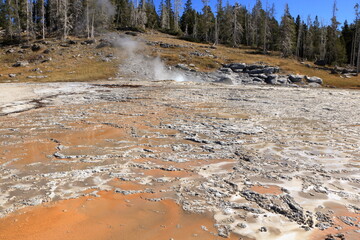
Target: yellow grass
x=76 y=63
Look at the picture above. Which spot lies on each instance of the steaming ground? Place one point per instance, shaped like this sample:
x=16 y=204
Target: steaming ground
x=143 y=67
x=141 y=158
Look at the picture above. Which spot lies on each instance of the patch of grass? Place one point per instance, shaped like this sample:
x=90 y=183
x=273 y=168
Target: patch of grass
x=75 y=63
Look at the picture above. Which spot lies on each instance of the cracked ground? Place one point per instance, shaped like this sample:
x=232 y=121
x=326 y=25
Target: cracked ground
x=167 y=160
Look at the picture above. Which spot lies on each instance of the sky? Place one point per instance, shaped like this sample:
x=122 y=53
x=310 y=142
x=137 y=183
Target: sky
x=321 y=8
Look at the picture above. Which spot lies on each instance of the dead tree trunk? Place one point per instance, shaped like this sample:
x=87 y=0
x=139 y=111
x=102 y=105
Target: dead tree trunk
x=18 y=22
x=177 y=7
x=298 y=42
x=92 y=26
x=216 y=42
x=355 y=40
x=87 y=20
x=28 y=19
x=43 y=18
x=265 y=34
x=358 y=60
x=65 y=33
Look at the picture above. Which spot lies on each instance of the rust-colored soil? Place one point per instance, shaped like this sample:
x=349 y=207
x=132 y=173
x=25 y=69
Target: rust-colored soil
x=339 y=212
x=271 y=189
x=111 y=216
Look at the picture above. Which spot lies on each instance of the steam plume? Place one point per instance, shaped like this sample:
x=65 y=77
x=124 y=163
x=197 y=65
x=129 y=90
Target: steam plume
x=147 y=67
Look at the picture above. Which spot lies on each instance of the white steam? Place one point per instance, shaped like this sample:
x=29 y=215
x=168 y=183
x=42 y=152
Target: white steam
x=147 y=67
x=162 y=73
x=106 y=7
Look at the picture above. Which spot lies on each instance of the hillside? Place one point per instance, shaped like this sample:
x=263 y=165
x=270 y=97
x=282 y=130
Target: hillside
x=60 y=61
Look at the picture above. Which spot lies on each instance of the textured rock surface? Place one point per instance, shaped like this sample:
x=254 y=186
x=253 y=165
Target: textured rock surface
x=268 y=162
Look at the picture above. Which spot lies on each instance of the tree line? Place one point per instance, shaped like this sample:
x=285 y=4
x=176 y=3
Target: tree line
x=233 y=25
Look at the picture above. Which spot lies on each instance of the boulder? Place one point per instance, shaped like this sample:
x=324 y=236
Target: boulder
x=346 y=70
x=267 y=70
x=10 y=51
x=103 y=44
x=296 y=78
x=198 y=54
x=37 y=70
x=225 y=80
x=35 y=47
x=320 y=63
x=105 y=59
x=283 y=80
x=258 y=80
x=350 y=75
x=12 y=75
x=334 y=71
x=88 y=42
x=165 y=45
x=21 y=64
x=225 y=70
x=272 y=79
x=314 y=80
x=64 y=45
x=314 y=85
x=255 y=66
x=134 y=34
x=42 y=42
x=237 y=66
x=182 y=66
x=262 y=76
x=46 y=60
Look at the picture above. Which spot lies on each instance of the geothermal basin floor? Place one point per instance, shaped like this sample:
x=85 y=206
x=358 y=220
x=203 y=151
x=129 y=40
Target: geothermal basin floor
x=168 y=160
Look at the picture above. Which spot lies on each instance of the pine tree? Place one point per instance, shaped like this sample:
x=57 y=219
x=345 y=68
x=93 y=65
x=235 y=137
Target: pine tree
x=196 y=24
x=226 y=30
x=332 y=38
x=205 y=20
x=316 y=38
x=152 y=16
x=346 y=35
x=187 y=19
x=308 y=43
x=287 y=32
x=299 y=35
x=165 y=17
x=9 y=13
x=269 y=15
